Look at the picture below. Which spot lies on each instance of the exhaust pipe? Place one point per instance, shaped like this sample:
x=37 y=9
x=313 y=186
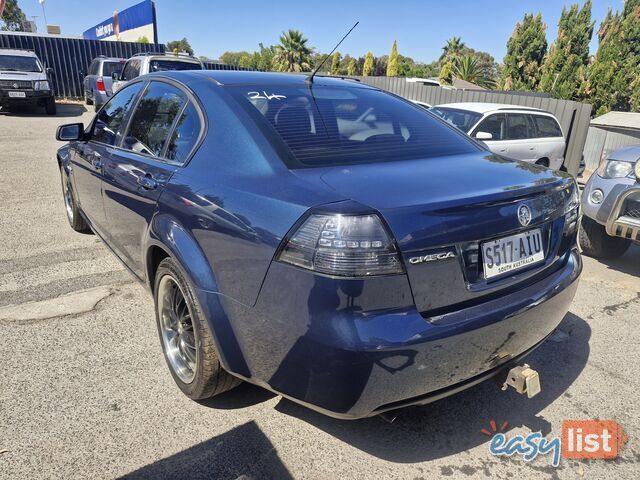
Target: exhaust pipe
x=524 y=379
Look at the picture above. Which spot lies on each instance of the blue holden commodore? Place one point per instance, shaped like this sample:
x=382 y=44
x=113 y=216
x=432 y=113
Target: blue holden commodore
x=321 y=238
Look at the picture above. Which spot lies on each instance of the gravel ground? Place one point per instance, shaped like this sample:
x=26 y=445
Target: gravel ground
x=85 y=393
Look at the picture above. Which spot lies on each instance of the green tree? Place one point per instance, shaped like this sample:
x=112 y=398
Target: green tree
x=367 y=68
x=293 y=54
x=352 y=67
x=445 y=76
x=612 y=81
x=143 y=39
x=453 y=48
x=468 y=68
x=392 y=64
x=569 y=55
x=13 y=17
x=525 y=54
x=233 y=58
x=335 y=64
x=180 y=45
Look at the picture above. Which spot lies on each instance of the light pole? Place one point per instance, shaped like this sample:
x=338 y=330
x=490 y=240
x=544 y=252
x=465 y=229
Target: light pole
x=44 y=14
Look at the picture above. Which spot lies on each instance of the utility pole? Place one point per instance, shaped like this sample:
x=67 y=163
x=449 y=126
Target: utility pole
x=44 y=14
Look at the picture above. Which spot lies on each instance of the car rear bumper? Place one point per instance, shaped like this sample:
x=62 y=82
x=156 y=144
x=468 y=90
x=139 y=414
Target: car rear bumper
x=352 y=348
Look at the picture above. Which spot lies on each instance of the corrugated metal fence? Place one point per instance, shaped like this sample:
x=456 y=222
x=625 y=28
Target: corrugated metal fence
x=68 y=57
x=573 y=116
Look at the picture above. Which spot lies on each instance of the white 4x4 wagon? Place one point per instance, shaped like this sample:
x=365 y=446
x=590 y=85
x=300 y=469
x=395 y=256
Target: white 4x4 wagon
x=517 y=132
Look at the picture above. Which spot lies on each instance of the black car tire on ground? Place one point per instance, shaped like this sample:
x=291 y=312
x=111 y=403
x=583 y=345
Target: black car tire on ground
x=597 y=243
x=87 y=99
x=50 y=106
x=76 y=220
x=209 y=379
x=96 y=107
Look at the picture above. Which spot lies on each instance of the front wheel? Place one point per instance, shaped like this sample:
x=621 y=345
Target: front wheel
x=186 y=340
x=596 y=242
x=50 y=106
x=73 y=212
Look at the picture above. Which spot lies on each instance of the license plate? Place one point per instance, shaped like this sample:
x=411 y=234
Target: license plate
x=17 y=94
x=512 y=253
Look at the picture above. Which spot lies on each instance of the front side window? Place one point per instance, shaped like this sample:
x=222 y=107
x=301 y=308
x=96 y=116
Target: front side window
x=109 y=122
x=495 y=124
x=169 y=65
x=547 y=126
x=153 y=119
x=463 y=119
x=108 y=68
x=131 y=70
x=519 y=126
x=325 y=126
x=17 y=63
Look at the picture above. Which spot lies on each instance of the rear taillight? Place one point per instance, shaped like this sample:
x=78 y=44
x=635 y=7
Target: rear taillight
x=100 y=85
x=343 y=245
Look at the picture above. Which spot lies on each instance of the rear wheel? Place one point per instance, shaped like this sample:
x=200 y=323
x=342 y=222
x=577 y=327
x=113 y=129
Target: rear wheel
x=73 y=212
x=87 y=99
x=50 y=106
x=596 y=242
x=186 y=340
x=543 y=161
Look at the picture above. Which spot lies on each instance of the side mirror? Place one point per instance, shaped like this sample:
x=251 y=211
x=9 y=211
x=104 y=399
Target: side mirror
x=49 y=71
x=71 y=132
x=115 y=76
x=483 y=136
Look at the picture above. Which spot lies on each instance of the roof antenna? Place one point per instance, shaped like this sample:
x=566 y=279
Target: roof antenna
x=309 y=79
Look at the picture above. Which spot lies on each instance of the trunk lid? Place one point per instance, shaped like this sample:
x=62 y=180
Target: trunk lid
x=448 y=206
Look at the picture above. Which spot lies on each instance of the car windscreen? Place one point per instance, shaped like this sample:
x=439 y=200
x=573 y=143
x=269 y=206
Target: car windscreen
x=170 y=65
x=108 y=68
x=326 y=126
x=17 y=63
x=463 y=119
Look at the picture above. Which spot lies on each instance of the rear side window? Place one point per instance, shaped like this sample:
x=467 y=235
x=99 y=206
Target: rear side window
x=547 y=126
x=326 y=126
x=519 y=126
x=108 y=123
x=169 y=65
x=93 y=68
x=108 y=68
x=184 y=136
x=153 y=119
x=495 y=124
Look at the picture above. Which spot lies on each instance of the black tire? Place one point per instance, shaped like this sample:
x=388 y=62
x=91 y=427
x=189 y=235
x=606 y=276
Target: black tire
x=75 y=218
x=597 y=243
x=543 y=161
x=96 y=107
x=88 y=100
x=50 y=106
x=209 y=378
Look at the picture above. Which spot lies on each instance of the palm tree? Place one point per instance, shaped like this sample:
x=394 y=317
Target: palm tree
x=292 y=55
x=453 y=48
x=468 y=68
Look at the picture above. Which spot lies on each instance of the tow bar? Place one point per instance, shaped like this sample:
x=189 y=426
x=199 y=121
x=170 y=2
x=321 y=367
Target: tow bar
x=524 y=379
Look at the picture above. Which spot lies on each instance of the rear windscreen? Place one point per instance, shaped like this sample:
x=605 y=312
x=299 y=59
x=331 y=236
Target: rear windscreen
x=169 y=65
x=108 y=68
x=325 y=126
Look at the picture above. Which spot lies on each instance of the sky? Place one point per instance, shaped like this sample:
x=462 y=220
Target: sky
x=420 y=27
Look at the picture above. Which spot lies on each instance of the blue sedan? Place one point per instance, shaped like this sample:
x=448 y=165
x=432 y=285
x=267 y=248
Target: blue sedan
x=321 y=238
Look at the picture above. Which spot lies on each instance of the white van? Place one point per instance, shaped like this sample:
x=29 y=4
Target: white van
x=517 y=132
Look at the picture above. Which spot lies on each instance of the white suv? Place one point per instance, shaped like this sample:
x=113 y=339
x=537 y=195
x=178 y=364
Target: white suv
x=517 y=132
x=142 y=63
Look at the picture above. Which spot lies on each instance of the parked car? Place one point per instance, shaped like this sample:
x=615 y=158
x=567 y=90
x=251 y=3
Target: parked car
x=25 y=81
x=353 y=272
x=611 y=205
x=143 y=63
x=98 y=81
x=424 y=105
x=517 y=132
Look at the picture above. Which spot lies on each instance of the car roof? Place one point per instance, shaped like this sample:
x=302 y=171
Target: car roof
x=16 y=52
x=483 y=108
x=111 y=59
x=240 y=77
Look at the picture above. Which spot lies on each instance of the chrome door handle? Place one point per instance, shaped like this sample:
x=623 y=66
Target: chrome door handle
x=147 y=182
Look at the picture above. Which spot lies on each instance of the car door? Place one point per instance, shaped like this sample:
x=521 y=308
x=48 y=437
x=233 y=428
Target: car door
x=521 y=140
x=89 y=160
x=496 y=125
x=550 y=140
x=154 y=146
x=130 y=71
